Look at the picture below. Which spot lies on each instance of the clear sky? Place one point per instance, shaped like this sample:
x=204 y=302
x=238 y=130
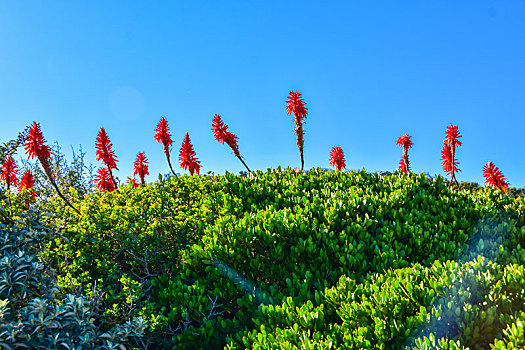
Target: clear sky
x=370 y=71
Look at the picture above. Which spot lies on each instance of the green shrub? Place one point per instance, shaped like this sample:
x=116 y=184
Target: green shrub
x=322 y=258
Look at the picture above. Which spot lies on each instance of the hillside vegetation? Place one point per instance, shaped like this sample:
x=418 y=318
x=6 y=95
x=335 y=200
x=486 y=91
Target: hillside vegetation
x=273 y=260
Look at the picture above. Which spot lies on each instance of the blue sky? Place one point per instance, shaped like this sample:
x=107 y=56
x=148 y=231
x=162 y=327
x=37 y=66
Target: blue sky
x=369 y=72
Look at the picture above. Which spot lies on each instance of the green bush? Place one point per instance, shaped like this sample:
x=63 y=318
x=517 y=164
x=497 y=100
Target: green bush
x=324 y=258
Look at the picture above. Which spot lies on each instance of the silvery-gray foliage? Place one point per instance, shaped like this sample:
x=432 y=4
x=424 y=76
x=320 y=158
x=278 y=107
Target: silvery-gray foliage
x=30 y=316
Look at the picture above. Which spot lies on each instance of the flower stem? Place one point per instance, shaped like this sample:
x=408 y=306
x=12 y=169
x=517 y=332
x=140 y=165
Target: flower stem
x=112 y=178
x=62 y=196
x=167 y=153
x=47 y=171
x=300 y=140
x=244 y=164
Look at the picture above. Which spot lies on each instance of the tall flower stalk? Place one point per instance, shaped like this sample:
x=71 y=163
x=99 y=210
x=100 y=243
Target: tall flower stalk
x=141 y=167
x=187 y=156
x=221 y=133
x=337 y=158
x=405 y=143
x=106 y=153
x=494 y=177
x=35 y=147
x=163 y=136
x=296 y=105
x=448 y=153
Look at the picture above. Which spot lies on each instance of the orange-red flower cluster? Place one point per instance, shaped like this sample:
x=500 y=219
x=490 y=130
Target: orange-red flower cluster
x=187 y=156
x=221 y=133
x=104 y=150
x=404 y=142
x=103 y=180
x=452 y=135
x=9 y=172
x=450 y=164
x=494 y=177
x=35 y=146
x=337 y=158
x=163 y=136
x=448 y=158
x=27 y=183
x=296 y=105
x=163 y=133
x=404 y=166
x=141 y=167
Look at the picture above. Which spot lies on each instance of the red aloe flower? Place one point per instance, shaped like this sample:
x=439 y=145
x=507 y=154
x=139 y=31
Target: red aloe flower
x=163 y=133
x=494 y=177
x=35 y=146
x=405 y=142
x=103 y=180
x=106 y=153
x=219 y=129
x=449 y=164
x=9 y=172
x=163 y=136
x=452 y=135
x=141 y=167
x=448 y=153
x=187 y=156
x=297 y=106
x=337 y=158
x=28 y=184
x=404 y=166
x=104 y=150
x=221 y=133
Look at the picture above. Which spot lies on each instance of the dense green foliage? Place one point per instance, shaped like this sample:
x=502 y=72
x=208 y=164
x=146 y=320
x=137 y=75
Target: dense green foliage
x=286 y=259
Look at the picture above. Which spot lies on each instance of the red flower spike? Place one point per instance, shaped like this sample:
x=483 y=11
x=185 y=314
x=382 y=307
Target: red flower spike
x=219 y=129
x=141 y=167
x=404 y=167
x=187 y=156
x=163 y=133
x=337 y=158
x=448 y=154
x=494 y=177
x=34 y=144
x=452 y=135
x=404 y=142
x=221 y=133
x=9 y=172
x=103 y=180
x=104 y=150
x=296 y=105
x=27 y=183
x=449 y=164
